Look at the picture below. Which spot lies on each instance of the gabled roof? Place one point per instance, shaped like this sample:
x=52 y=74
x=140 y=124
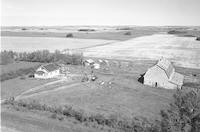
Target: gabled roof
x=39 y=72
x=166 y=66
x=51 y=67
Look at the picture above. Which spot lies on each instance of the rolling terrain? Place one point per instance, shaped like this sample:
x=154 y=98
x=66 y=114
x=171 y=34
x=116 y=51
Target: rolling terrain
x=183 y=51
x=116 y=92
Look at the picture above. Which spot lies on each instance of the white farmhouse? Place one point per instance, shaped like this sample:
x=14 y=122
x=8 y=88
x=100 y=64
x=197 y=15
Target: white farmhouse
x=163 y=75
x=47 y=71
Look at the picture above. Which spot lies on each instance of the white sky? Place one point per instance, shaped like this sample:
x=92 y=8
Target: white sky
x=100 y=12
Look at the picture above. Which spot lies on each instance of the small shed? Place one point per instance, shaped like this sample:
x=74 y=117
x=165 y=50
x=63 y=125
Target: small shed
x=88 y=62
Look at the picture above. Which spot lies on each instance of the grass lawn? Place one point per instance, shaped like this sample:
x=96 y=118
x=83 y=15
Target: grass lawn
x=13 y=87
x=124 y=97
x=121 y=94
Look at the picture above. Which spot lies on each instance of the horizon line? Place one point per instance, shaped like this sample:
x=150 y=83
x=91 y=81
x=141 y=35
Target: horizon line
x=100 y=25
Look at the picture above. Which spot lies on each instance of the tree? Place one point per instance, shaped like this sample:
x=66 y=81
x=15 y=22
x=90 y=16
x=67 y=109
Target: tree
x=69 y=35
x=127 y=33
x=7 y=57
x=183 y=114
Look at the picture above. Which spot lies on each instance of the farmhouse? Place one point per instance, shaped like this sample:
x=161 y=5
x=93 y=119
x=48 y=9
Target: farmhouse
x=47 y=71
x=163 y=75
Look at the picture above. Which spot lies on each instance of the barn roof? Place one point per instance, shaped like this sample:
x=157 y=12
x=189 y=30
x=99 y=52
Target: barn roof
x=51 y=67
x=166 y=66
x=176 y=78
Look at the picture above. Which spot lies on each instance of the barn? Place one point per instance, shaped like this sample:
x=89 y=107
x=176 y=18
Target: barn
x=163 y=75
x=47 y=71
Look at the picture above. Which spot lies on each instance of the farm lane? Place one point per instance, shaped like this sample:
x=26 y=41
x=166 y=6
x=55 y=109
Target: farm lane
x=53 y=90
x=39 y=87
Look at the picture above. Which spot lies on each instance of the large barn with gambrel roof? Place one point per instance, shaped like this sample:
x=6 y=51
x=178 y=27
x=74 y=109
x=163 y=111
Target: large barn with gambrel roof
x=163 y=75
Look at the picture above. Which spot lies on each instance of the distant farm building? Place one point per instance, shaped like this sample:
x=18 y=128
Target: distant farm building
x=72 y=52
x=163 y=75
x=88 y=62
x=47 y=71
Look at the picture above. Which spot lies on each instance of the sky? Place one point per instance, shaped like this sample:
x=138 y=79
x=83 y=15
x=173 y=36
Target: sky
x=100 y=12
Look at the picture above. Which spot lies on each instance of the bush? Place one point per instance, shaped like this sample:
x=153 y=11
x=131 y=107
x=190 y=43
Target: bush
x=124 y=28
x=7 y=57
x=69 y=35
x=98 y=119
x=176 y=32
x=15 y=74
x=86 y=30
x=198 y=38
x=127 y=33
x=24 y=29
x=31 y=76
x=22 y=77
x=54 y=116
x=183 y=114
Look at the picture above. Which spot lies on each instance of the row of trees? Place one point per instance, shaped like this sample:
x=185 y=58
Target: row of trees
x=7 y=57
x=43 y=56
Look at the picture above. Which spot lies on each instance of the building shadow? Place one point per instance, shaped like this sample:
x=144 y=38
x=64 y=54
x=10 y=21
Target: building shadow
x=141 y=79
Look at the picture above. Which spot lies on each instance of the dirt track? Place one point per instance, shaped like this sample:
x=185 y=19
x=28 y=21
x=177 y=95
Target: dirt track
x=38 y=87
x=48 y=91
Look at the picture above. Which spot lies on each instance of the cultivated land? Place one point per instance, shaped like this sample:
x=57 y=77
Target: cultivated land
x=106 y=33
x=184 y=51
x=29 y=44
x=116 y=92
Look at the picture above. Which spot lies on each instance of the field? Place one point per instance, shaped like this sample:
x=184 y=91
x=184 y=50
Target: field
x=29 y=44
x=183 y=51
x=101 y=32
